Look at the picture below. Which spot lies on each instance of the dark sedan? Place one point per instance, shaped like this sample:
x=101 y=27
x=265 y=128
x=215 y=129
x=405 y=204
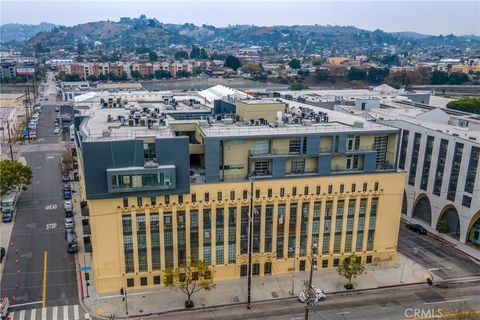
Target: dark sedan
x=416 y=228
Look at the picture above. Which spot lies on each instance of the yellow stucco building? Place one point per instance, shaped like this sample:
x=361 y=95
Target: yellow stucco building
x=161 y=195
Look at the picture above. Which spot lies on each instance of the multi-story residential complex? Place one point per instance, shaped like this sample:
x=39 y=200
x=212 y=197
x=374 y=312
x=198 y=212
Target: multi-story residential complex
x=440 y=150
x=165 y=181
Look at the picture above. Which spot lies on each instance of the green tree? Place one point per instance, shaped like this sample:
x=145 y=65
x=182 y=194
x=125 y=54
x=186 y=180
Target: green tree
x=303 y=72
x=162 y=74
x=391 y=60
x=80 y=48
x=442 y=226
x=203 y=54
x=317 y=61
x=465 y=104
x=357 y=74
x=457 y=78
x=251 y=67
x=195 y=53
x=152 y=56
x=439 y=77
x=377 y=75
x=40 y=73
x=217 y=56
x=403 y=77
x=13 y=174
x=232 y=62
x=183 y=74
x=135 y=74
x=295 y=64
x=322 y=74
x=350 y=268
x=192 y=278
x=92 y=77
x=297 y=86
x=181 y=55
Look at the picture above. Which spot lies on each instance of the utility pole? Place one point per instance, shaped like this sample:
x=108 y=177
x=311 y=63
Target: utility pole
x=250 y=247
x=313 y=265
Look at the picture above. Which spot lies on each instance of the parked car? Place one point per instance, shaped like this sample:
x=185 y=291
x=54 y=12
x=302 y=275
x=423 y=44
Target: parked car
x=67 y=194
x=320 y=295
x=70 y=233
x=56 y=130
x=68 y=213
x=57 y=109
x=67 y=205
x=2 y=253
x=7 y=216
x=69 y=223
x=416 y=228
x=65 y=177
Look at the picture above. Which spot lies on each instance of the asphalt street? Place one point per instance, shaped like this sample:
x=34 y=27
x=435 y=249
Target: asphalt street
x=38 y=232
x=440 y=258
x=395 y=303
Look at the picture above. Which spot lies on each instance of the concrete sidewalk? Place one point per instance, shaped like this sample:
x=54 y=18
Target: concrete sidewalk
x=235 y=291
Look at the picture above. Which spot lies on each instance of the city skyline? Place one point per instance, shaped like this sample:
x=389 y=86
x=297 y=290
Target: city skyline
x=390 y=16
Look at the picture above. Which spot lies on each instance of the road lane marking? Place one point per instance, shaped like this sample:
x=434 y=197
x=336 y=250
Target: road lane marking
x=21 y=316
x=33 y=314
x=44 y=291
x=54 y=313
x=346 y=312
x=51 y=207
x=75 y=312
x=65 y=312
x=51 y=226
x=25 y=304
x=44 y=313
x=448 y=301
x=433 y=269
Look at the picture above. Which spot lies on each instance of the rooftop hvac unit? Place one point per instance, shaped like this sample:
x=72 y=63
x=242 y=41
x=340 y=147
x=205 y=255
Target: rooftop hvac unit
x=142 y=122
x=106 y=133
x=109 y=118
x=130 y=122
x=358 y=124
x=228 y=121
x=257 y=122
x=307 y=122
x=296 y=120
x=278 y=123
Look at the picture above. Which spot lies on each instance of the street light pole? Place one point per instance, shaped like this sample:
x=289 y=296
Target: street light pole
x=250 y=247
x=313 y=265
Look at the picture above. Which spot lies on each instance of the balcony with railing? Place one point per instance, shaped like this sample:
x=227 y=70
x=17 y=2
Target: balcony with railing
x=274 y=152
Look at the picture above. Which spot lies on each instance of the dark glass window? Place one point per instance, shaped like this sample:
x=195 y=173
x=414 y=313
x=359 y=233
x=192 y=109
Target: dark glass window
x=267 y=268
x=168 y=238
x=194 y=235
x=324 y=263
x=245 y=194
x=232 y=195
x=318 y=189
x=305 y=190
x=156 y=280
x=427 y=160
x=282 y=192
x=153 y=201
x=442 y=156
x=403 y=150
x=220 y=223
x=455 y=172
x=232 y=235
x=244 y=229
x=294 y=191
x=472 y=169
x=143 y=281
x=130 y=282
x=149 y=152
x=139 y=201
x=181 y=239
x=268 y=227
x=128 y=243
x=353 y=188
x=207 y=236
x=194 y=197
x=155 y=240
x=207 y=196
x=180 y=198
x=243 y=270
x=167 y=199
x=375 y=186
x=330 y=188
x=219 y=195
x=304 y=229
x=342 y=188
x=280 y=230
x=412 y=173
x=257 y=193
x=365 y=187
x=466 y=201
x=292 y=230
x=141 y=243
x=269 y=192
x=125 y=202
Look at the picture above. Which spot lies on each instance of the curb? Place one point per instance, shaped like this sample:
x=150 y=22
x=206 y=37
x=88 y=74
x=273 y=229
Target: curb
x=260 y=301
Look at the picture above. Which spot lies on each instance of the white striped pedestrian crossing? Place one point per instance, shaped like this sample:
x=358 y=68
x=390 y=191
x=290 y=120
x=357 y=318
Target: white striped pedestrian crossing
x=72 y=312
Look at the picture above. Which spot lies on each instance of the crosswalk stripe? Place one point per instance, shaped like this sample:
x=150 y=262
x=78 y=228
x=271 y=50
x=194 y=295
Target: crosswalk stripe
x=75 y=312
x=54 y=315
x=65 y=312
x=44 y=313
x=33 y=314
x=21 y=316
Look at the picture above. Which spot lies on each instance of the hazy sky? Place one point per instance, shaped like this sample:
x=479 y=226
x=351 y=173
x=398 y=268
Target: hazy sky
x=429 y=17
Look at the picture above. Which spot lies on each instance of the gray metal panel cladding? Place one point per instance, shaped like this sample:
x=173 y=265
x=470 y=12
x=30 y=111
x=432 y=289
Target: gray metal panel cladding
x=278 y=167
x=370 y=162
x=102 y=155
x=313 y=144
x=212 y=159
x=342 y=139
x=324 y=164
